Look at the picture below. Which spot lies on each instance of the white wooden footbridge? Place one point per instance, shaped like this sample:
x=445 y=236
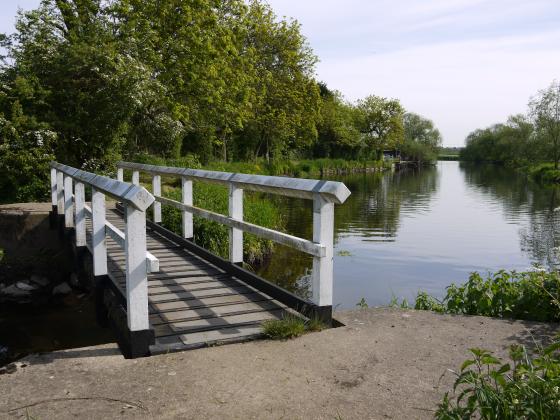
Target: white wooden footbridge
x=160 y=291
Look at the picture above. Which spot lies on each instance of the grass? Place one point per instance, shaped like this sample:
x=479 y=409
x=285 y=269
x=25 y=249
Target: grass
x=291 y=326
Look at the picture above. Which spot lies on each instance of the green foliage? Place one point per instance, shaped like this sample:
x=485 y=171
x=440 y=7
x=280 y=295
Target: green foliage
x=488 y=387
x=524 y=140
x=421 y=139
x=531 y=295
x=544 y=109
x=290 y=326
x=381 y=124
x=103 y=80
x=511 y=143
x=362 y=304
x=315 y=324
x=214 y=236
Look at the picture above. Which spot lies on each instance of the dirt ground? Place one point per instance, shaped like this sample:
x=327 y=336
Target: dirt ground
x=385 y=363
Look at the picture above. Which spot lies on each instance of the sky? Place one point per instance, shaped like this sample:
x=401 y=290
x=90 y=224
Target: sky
x=465 y=64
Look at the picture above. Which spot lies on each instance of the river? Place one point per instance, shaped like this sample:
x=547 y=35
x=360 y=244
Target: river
x=402 y=232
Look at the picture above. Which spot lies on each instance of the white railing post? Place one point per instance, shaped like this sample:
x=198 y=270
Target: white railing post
x=120 y=174
x=98 y=233
x=136 y=272
x=323 y=233
x=68 y=204
x=60 y=193
x=187 y=198
x=53 y=188
x=136 y=177
x=235 y=235
x=156 y=191
x=79 y=202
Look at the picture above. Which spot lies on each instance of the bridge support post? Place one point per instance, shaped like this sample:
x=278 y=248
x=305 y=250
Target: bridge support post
x=120 y=174
x=79 y=202
x=99 y=246
x=156 y=191
x=322 y=277
x=60 y=193
x=235 y=235
x=187 y=198
x=54 y=198
x=68 y=204
x=99 y=253
x=136 y=177
x=140 y=336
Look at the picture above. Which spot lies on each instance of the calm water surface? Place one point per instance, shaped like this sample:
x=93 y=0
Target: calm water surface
x=422 y=230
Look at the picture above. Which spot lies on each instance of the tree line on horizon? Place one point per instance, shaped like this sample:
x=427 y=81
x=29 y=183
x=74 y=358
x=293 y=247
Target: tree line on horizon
x=524 y=139
x=88 y=82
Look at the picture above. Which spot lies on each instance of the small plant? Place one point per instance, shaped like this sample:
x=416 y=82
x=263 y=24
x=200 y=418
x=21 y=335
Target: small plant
x=486 y=387
x=315 y=324
x=289 y=326
x=344 y=253
x=362 y=304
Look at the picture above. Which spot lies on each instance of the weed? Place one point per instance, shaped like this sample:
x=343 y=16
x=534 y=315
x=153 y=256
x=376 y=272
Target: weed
x=344 y=253
x=487 y=387
x=362 y=304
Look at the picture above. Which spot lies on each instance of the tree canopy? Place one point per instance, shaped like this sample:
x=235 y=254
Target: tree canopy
x=88 y=82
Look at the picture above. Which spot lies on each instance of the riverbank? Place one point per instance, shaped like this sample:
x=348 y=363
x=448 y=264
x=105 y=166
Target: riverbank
x=385 y=363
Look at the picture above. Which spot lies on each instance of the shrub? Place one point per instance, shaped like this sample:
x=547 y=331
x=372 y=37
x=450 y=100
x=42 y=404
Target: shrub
x=486 y=387
x=533 y=295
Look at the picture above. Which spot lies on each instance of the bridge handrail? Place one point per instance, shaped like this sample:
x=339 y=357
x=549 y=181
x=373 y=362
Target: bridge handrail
x=323 y=193
x=331 y=191
x=126 y=192
x=68 y=201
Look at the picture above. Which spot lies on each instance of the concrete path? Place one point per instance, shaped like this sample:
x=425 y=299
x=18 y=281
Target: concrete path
x=385 y=363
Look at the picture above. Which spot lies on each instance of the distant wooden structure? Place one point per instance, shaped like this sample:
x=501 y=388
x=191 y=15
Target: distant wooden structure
x=160 y=291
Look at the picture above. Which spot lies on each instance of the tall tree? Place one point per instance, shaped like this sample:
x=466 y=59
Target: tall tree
x=421 y=139
x=544 y=109
x=287 y=97
x=381 y=124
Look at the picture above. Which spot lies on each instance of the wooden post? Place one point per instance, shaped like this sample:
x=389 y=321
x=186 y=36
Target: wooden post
x=60 y=193
x=79 y=202
x=156 y=191
x=53 y=188
x=68 y=204
x=187 y=196
x=120 y=174
x=323 y=233
x=98 y=233
x=136 y=273
x=235 y=235
x=136 y=177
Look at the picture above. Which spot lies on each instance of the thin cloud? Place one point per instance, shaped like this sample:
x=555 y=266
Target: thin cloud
x=464 y=63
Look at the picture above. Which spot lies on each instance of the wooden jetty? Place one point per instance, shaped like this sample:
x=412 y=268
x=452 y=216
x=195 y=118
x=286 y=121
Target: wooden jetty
x=160 y=291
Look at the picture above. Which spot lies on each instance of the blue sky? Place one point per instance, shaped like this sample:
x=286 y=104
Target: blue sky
x=463 y=63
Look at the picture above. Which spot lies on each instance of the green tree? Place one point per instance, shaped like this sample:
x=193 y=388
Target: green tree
x=338 y=134
x=544 y=109
x=381 y=124
x=287 y=97
x=421 y=139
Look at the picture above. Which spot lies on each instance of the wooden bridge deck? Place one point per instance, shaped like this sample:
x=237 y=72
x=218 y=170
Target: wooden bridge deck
x=192 y=303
